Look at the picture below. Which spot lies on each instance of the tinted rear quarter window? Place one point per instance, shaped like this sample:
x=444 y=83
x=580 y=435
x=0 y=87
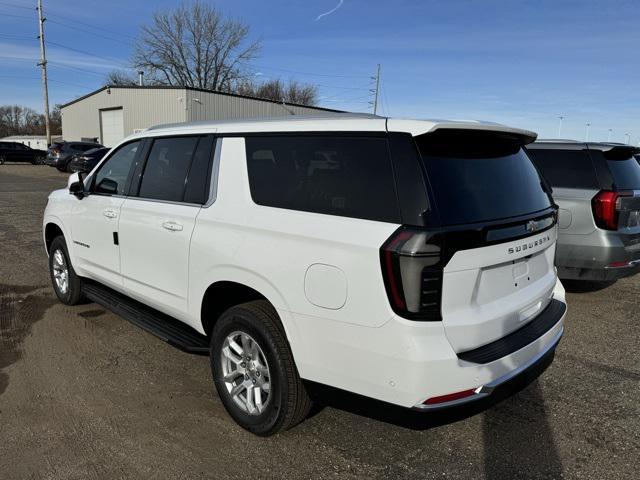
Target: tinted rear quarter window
x=565 y=168
x=480 y=176
x=349 y=176
x=165 y=172
x=624 y=169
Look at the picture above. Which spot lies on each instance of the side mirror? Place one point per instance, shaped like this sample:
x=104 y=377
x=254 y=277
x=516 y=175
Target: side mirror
x=107 y=186
x=76 y=185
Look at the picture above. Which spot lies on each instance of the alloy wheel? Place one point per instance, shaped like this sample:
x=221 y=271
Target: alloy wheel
x=246 y=372
x=60 y=272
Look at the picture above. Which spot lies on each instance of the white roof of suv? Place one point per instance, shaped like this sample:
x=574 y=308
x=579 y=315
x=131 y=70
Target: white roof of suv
x=334 y=122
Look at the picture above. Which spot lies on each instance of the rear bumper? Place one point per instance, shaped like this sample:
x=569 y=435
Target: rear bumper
x=598 y=256
x=406 y=362
x=488 y=388
x=54 y=161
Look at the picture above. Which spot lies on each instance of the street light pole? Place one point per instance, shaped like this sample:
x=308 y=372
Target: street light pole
x=560 y=126
x=586 y=136
x=628 y=137
x=609 y=136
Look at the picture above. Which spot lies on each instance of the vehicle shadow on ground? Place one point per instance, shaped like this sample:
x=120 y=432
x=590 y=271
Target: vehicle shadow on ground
x=585 y=286
x=518 y=440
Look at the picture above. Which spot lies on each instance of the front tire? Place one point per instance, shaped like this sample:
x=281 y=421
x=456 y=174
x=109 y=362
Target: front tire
x=66 y=283
x=38 y=161
x=254 y=371
x=2 y=159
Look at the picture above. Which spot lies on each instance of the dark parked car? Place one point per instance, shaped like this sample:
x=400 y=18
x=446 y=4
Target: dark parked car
x=85 y=162
x=60 y=153
x=597 y=187
x=18 y=152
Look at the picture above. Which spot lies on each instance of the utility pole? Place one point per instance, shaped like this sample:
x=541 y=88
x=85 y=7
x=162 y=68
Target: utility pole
x=43 y=64
x=376 y=91
x=560 y=126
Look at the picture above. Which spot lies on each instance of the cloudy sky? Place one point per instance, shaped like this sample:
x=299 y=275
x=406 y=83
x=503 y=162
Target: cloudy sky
x=521 y=62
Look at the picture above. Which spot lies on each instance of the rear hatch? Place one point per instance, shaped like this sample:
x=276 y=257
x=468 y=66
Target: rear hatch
x=498 y=222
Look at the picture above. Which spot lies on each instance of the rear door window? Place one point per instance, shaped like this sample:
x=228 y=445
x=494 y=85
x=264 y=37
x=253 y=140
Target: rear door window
x=165 y=173
x=348 y=176
x=480 y=176
x=565 y=168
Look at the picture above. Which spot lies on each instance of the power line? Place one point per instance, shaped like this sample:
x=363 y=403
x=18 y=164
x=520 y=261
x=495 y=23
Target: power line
x=16 y=6
x=83 y=52
x=96 y=27
x=80 y=29
x=77 y=69
x=266 y=67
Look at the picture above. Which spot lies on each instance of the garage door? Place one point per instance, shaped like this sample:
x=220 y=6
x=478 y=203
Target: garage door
x=112 y=123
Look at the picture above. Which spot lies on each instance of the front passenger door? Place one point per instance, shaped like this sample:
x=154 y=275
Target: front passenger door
x=94 y=219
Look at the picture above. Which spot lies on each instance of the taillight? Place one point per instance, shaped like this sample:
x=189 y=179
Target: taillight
x=412 y=272
x=606 y=207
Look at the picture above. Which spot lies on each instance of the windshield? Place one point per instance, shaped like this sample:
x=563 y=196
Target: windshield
x=480 y=176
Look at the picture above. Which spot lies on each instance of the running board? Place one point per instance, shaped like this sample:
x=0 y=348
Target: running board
x=163 y=326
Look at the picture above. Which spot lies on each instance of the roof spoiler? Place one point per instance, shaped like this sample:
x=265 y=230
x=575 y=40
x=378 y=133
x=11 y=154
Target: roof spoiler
x=524 y=136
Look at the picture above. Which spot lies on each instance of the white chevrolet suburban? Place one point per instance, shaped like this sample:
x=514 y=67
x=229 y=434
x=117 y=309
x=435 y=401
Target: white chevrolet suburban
x=407 y=261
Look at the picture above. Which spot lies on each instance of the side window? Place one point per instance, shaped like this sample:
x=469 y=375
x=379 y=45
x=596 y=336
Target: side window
x=20 y=146
x=199 y=177
x=168 y=164
x=565 y=168
x=334 y=175
x=111 y=179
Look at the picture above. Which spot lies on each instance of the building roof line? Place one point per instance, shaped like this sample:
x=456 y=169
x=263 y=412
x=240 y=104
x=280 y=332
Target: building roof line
x=194 y=89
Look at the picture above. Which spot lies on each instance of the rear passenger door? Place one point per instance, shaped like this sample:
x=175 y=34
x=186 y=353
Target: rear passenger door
x=158 y=218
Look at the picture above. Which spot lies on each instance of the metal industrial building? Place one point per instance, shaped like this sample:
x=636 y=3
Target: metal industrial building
x=110 y=113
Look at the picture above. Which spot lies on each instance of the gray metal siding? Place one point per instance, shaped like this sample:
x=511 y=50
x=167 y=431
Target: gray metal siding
x=142 y=109
x=145 y=107
x=213 y=106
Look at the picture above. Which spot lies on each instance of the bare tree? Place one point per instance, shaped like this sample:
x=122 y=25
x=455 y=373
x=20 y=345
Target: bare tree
x=119 y=77
x=292 y=92
x=195 y=46
x=19 y=120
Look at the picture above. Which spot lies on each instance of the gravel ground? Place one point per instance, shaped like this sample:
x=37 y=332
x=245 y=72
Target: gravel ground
x=86 y=395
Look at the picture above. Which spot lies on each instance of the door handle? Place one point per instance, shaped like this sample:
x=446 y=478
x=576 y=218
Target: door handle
x=110 y=213
x=172 y=226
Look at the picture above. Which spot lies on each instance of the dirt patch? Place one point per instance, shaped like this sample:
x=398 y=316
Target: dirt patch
x=20 y=307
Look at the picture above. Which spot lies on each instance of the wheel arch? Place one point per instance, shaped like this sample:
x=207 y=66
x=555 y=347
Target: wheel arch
x=234 y=286
x=52 y=230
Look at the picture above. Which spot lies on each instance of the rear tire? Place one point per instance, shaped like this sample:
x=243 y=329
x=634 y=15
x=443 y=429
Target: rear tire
x=66 y=284
x=250 y=352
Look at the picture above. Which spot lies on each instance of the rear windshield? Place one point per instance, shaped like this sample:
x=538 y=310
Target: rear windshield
x=480 y=176
x=565 y=168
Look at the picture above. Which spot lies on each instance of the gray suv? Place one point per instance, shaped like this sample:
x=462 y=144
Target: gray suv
x=597 y=187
